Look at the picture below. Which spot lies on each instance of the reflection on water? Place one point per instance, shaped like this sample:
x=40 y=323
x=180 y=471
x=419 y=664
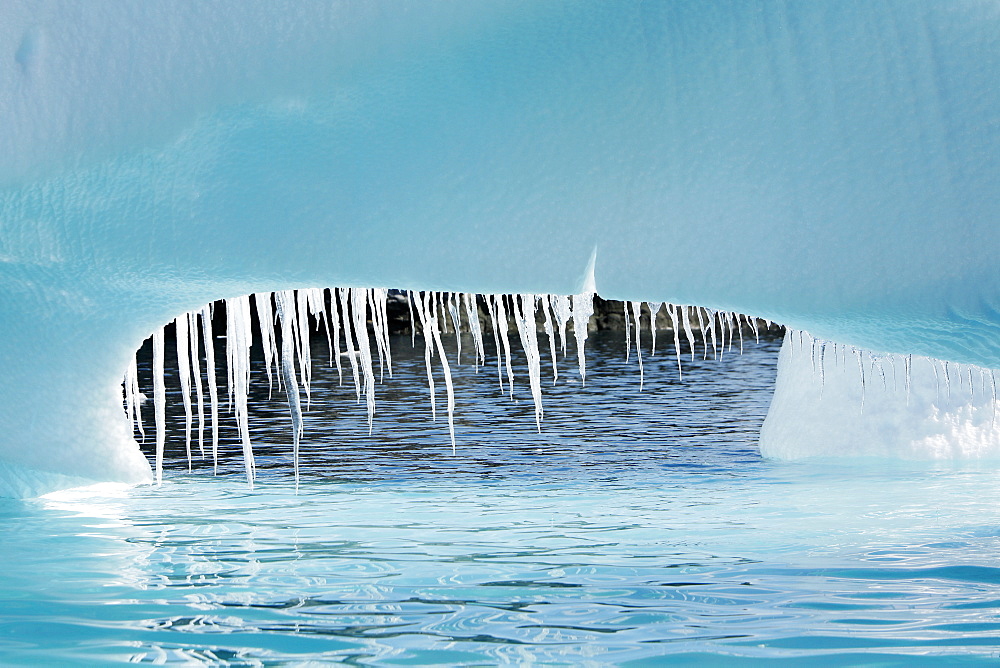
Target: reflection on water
x=637 y=527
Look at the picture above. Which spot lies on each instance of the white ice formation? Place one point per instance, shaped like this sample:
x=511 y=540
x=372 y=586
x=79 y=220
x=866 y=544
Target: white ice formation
x=364 y=317
x=831 y=166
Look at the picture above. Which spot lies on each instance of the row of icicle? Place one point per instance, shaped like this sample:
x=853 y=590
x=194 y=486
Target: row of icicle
x=352 y=309
x=876 y=364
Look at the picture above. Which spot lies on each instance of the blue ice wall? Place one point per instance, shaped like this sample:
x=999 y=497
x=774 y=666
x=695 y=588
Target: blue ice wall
x=832 y=166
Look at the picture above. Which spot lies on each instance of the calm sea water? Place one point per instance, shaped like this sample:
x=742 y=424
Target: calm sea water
x=639 y=528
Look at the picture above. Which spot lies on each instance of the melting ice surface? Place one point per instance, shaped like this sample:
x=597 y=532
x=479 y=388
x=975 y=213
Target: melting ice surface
x=636 y=529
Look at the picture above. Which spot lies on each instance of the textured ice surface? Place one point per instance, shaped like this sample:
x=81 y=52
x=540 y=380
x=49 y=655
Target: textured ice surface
x=837 y=401
x=833 y=167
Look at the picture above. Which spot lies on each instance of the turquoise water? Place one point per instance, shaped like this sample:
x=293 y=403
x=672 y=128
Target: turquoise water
x=637 y=529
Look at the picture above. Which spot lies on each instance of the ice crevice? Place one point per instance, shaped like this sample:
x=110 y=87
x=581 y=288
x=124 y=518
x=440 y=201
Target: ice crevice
x=358 y=317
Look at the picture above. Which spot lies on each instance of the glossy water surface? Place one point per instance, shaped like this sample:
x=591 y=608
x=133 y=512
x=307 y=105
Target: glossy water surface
x=636 y=529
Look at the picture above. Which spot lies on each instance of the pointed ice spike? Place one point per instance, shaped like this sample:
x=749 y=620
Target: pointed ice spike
x=688 y=334
x=505 y=339
x=993 y=389
x=285 y=302
x=491 y=301
x=551 y=336
x=238 y=342
x=136 y=407
x=304 y=352
x=381 y=302
x=636 y=306
x=377 y=328
x=654 y=309
x=907 y=363
x=359 y=306
x=475 y=327
x=193 y=337
x=344 y=295
x=262 y=300
x=628 y=331
x=317 y=306
x=674 y=325
x=753 y=327
x=159 y=402
x=701 y=327
x=449 y=387
x=563 y=311
x=413 y=320
x=213 y=388
x=861 y=369
x=456 y=321
x=184 y=374
x=524 y=316
x=335 y=326
x=583 y=308
x=418 y=300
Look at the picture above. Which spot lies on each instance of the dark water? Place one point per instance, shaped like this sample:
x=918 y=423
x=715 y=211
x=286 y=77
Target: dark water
x=636 y=529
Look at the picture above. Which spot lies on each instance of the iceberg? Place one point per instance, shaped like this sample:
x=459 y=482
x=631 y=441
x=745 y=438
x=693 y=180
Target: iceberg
x=833 y=167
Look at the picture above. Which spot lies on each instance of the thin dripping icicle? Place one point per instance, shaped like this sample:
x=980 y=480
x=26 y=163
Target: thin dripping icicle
x=193 y=338
x=285 y=301
x=159 y=402
x=213 y=388
x=184 y=374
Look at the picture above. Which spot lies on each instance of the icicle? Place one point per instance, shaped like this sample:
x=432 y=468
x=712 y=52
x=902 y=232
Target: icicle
x=739 y=326
x=583 y=308
x=561 y=307
x=672 y=312
x=413 y=321
x=381 y=302
x=993 y=386
x=285 y=301
x=428 y=344
x=192 y=322
x=907 y=363
x=213 y=388
x=184 y=374
x=638 y=349
x=501 y=320
x=132 y=388
x=524 y=315
x=265 y=320
x=317 y=306
x=159 y=402
x=335 y=326
x=359 y=306
x=352 y=351
x=371 y=299
x=628 y=332
x=711 y=318
x=701 y=326
x=304 y=353
x=654 y=308
x=551 y=336
x=239 y=338
x=861 y=368
x=475 y=327
x=688 y=334
x=491 y=306
x=448 y=386
x=756 y=332
x=456 y=321
x=822 y=369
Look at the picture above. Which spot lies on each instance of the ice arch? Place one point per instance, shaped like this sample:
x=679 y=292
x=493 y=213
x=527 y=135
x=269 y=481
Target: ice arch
x=830 y=166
